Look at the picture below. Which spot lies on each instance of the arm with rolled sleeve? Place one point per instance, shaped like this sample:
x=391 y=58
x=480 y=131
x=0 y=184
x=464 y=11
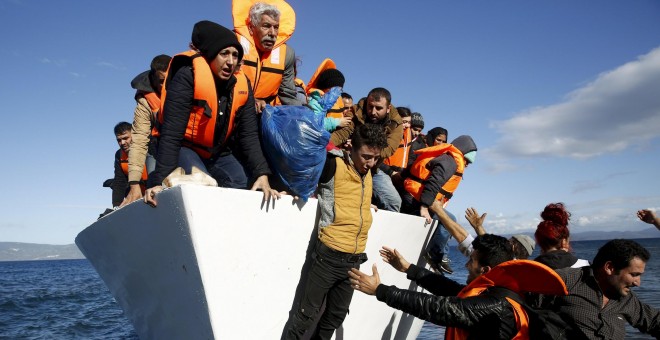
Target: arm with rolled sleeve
x=140 y=133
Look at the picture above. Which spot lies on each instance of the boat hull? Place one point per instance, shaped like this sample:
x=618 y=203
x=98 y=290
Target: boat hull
x=214 y=263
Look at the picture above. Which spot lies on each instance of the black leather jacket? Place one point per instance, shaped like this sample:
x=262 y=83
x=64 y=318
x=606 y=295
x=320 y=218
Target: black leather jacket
x=485 y=316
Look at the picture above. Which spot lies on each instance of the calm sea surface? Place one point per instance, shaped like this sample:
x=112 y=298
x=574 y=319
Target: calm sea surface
x=67 y=299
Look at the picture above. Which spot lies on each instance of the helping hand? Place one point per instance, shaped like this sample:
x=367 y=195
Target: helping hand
x=363 y=282
x=395 y=259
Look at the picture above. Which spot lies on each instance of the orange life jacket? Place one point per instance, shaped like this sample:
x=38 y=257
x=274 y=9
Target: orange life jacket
x=520 y=276
x=200 y=132
x=399 y=160
x=414 y=183
x=123 y=161
x=265 y=71
x=154 y=102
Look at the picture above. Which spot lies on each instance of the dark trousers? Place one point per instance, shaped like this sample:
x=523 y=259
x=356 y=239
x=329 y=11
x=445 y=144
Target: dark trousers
x=327 y=280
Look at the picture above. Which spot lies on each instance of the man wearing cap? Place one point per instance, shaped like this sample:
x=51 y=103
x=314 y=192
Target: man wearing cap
x=418 y=139
x=263 y=29
x=208 y=114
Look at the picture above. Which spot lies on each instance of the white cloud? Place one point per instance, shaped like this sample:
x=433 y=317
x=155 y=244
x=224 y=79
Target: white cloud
x=110 y=65
x=623 y=102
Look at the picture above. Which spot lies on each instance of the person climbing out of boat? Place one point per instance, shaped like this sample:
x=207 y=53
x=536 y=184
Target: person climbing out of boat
x=475 y=311
x=435 y=175
x=376 y=108
x=208 y=117
x=344 y=196
x=263 y=30
x=147 y=87
x=553 y=237
x=120 y=182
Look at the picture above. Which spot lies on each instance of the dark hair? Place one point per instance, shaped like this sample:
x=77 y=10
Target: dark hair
x=379 y=92
x=554 y=227
x=620 y=252
x=435 y=132
x=160 y=63
x=404 y=111
x=346 y=96
x=122 y=127
x=493 y=250
x=369 y=134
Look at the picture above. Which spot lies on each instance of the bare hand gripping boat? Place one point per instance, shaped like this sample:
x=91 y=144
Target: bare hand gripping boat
x=212 y=263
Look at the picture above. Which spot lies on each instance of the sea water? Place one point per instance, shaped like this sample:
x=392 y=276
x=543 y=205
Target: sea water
x=66 y=299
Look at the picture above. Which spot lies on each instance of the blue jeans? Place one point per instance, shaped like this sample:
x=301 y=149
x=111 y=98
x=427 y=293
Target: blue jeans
x=225 y=169
x=385 y=193
x=438 y=246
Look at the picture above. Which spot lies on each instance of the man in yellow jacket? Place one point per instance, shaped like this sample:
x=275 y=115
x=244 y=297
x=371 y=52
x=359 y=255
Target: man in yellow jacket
x=344 y=196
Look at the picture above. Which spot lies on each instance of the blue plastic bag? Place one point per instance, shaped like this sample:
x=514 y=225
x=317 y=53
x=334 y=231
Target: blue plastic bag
x=294 y=142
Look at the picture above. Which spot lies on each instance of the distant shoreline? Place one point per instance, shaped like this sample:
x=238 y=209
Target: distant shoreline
x=19 y=251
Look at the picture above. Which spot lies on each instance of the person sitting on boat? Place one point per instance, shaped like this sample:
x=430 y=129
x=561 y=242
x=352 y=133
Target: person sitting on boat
x=120 y=182
x=208 y=114
x=553 y=236
x=344 y=196
x=435 y=176
x=475 y=311
x=263 y=30
x=147 y=85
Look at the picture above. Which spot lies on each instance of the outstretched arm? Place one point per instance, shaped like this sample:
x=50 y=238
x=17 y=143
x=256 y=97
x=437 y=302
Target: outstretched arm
x=649 y=217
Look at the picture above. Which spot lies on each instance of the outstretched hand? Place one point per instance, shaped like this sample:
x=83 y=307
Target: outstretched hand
x=394 y=258
x=649 y=217
x=476 y=221
x=363 y=282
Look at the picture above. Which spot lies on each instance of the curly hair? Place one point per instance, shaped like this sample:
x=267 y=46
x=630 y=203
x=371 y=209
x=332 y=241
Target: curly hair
x=554 y=227
x=372 y=135
x=620 y=252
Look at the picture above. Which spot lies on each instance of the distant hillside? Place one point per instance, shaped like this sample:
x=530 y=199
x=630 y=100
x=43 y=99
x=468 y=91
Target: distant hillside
x=15 y=251
x=608 y=235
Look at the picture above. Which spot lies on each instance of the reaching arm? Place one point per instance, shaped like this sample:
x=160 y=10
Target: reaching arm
x=649 y=217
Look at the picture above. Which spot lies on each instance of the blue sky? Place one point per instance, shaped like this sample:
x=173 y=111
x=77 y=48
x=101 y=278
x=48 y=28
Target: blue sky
x=560 y=96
